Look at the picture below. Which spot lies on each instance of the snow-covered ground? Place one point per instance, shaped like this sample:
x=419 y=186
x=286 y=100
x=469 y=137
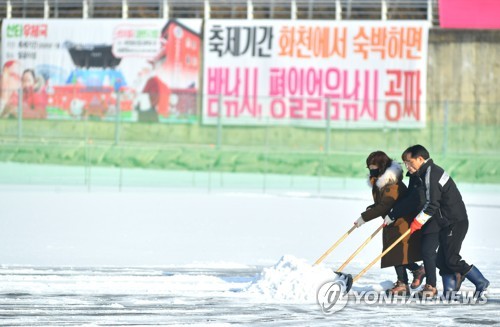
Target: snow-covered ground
x=184 y=256
x=119 y=296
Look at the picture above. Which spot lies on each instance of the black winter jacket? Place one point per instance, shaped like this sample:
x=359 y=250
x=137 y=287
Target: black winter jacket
x=413 y=202
x=434 y=192
x=443 y=199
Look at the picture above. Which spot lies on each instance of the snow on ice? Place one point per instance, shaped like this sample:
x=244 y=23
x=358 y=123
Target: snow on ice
x=195 y=259
x=291 y=280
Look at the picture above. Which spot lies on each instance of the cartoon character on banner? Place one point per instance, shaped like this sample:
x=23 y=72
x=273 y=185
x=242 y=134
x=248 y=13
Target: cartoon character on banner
x=11 y=82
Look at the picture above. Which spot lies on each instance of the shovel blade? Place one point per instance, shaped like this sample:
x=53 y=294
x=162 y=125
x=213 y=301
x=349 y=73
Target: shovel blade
x=347 y=279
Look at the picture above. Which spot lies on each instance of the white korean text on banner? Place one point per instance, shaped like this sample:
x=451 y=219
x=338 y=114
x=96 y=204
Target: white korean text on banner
x=364 y=74
x=148 y=69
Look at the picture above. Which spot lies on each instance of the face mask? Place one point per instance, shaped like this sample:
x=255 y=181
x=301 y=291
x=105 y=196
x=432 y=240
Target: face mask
x=374 y=172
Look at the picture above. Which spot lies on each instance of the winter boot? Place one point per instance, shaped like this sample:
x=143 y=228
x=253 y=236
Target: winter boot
x=399 y=288
x=428 y=292
x=418 y=276
x=459 y=278
x=449 y=286
x=476 y=278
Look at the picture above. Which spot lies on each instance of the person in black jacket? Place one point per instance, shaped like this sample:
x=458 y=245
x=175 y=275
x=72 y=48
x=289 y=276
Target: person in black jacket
x=410 y=205
x=444 y=210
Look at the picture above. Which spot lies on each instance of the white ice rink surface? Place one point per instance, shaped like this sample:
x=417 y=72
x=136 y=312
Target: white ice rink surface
x=162 y=257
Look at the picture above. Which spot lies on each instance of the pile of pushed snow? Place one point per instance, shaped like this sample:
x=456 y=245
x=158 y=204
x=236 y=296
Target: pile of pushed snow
x=291 y=280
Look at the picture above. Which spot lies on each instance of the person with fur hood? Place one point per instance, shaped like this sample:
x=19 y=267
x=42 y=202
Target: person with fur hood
x=386 y=181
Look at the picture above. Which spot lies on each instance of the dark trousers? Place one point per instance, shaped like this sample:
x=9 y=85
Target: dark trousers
x=451 y=238
x=430 y=243
x=401 y=271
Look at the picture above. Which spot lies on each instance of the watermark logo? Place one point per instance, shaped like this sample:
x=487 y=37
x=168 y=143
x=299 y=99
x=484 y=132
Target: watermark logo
x=332 y=296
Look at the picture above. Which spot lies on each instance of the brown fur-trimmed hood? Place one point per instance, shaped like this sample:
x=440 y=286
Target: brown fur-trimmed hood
x=391 y=176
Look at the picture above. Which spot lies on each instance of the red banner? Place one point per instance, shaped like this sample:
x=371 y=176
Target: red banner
x=473 y=14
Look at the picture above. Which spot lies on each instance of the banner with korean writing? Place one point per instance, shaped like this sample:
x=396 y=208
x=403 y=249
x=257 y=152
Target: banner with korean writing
x=70 y=69
x=356 y=74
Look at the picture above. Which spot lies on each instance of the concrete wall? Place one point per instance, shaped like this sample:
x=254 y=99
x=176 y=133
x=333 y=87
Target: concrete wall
x=464 y=66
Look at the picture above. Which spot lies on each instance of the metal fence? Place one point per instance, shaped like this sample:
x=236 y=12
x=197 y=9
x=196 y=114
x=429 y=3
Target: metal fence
x=450 y=126
x=106 y=144
x=227 y=9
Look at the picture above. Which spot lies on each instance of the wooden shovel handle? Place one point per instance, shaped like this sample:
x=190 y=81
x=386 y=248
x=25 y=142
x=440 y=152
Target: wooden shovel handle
x=360 y=248
x=362 y=272
x=340 y=240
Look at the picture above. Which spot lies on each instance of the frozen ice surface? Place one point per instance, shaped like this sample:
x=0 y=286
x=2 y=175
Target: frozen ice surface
x=37 y=296
x=210 y=258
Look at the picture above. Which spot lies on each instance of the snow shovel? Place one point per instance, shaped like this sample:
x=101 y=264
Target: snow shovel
x=349 y=280
x=347 y=277
x=340 y=240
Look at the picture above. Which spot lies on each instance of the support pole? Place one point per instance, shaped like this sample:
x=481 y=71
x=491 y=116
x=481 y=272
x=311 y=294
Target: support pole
x=338 y=10
x=445 y=128
x=166 y=10
x=249 y=9
x=117 y=118
x=430 y=13
x=85 y=9
x=9 y=10
x=383 y=14
x=46 y=9
x=328 y=125
x=124 y=9
x=20 y=114
x=293 y=10
x=219 y=124
x=206 y=8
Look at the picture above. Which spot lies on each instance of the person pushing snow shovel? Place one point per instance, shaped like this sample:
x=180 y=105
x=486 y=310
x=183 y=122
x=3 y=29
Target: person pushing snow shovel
x=387 y=188
x=445 y=210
